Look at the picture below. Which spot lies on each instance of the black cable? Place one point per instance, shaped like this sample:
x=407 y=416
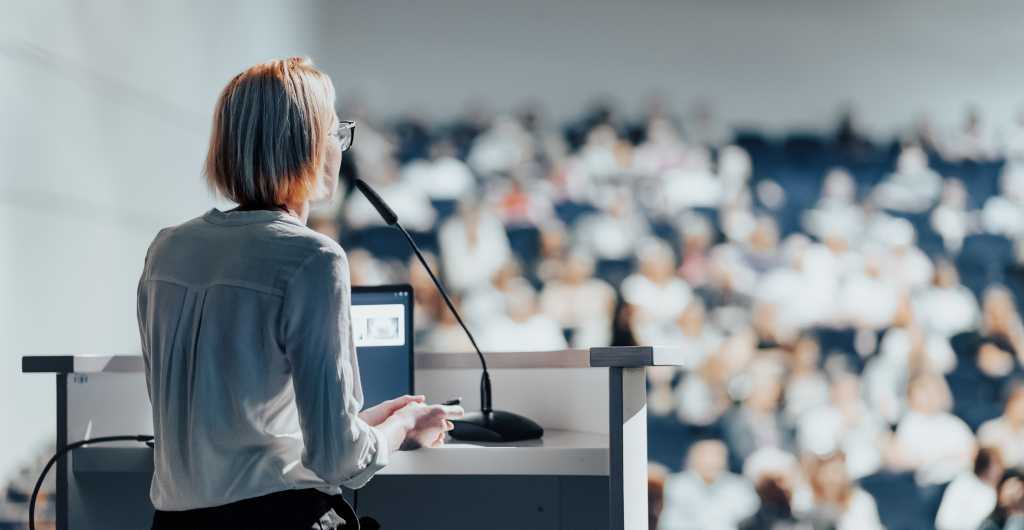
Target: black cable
x=46 y=469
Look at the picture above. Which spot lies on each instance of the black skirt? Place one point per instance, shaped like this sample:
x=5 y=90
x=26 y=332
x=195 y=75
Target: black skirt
x=284 y=510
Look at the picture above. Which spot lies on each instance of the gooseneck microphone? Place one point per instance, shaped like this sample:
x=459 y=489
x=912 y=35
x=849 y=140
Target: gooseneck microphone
x=488 y=425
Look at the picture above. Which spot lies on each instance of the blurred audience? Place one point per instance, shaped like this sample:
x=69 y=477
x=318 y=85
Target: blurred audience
x=847 y=309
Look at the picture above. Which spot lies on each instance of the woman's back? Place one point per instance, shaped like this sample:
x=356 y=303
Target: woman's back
x=231 y=309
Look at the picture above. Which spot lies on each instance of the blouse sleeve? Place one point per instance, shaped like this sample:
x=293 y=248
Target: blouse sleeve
x=340 y=447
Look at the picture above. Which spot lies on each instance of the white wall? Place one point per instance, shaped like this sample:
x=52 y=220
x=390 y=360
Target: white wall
x=105 y=110
x=769 y=62
x=105 y=115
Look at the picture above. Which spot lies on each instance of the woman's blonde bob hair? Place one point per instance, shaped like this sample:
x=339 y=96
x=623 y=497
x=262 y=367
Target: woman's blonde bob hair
x=271 y=126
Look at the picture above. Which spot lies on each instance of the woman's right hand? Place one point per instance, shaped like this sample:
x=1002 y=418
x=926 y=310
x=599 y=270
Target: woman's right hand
x=427 y=424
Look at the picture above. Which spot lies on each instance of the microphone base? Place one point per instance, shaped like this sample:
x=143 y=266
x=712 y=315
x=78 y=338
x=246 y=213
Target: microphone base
x=498 y=426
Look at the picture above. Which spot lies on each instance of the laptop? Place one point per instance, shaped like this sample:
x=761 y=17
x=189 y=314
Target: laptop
x=383 y=333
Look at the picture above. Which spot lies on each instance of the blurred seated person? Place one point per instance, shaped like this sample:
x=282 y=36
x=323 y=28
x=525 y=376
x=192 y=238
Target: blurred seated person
x=951 y=219
x=913 y=348
x=554 y=243
x=757 y=423
x=446 y=335
x=614 y=232
x=761 y=252
x=972 y=141
x=408 y=200
x=662 y=150
x=706 y=496
x=698 y=236
x=971 y=497
x=657 y=294
x=691 y=186
x=523 y=328
x=518 y=203
x=690 y=331
x=1014 y=144
x=734 y=171
x=838 y=502
x=604 y=155
x=474 y=245
x=1007 y=431
x=806 y=385
x=930 y=441
x=1009 y=511
x=947 y=307
x=443 y=177
x=904 y=262
x=1003 y=214
x=837 y=212
x=502 y=147
x=846 y=424
x=486 y=302
x=868 y=299
x=702 y=396
x=913 y=187
x=580 y=302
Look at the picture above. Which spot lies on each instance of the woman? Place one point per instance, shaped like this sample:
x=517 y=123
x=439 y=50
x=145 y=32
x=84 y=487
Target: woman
x=246 y=332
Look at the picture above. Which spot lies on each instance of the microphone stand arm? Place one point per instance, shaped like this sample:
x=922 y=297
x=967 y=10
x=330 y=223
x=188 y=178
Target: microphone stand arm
x=485 y=378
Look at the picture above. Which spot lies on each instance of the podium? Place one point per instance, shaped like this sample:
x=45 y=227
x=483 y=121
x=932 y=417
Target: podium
x=589 y=471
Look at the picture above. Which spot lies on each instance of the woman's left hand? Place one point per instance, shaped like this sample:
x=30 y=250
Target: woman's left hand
x=376 y=414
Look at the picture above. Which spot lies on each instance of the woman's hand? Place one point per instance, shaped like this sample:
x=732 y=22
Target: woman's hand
x=428 y=424
x=376 y=414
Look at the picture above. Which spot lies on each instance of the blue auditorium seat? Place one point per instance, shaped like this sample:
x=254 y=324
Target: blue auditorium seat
x=841 y=341
x=385 y=242
x=983 y=261
x=445 y=208
x=900 y=502
x=614 y=271
x=525 y=243
x=570 y=212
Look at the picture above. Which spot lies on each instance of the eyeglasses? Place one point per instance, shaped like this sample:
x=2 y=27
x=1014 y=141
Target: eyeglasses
x=345 y=132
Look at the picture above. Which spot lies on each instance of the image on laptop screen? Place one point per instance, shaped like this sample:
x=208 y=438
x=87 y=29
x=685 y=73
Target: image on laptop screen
x=382 y=329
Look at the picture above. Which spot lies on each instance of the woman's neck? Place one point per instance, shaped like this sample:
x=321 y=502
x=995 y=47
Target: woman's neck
x=299 y=210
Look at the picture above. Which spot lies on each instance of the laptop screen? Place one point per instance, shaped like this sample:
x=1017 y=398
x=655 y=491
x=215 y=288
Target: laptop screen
x=382 y=329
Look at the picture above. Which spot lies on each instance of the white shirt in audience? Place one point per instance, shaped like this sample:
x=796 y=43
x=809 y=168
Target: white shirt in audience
x=692 y=504
x=611 y=237
x=1003 y=216
x=947 y=311
x=537 y=333
x=941 y=443
x=868 y=301
x=690 y=188
x=825 y=430
x=446 y=178
x=966 y=503
x=660 y=302
x=469 y=264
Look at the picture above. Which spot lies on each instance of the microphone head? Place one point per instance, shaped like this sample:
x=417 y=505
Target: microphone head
x=382 y=207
